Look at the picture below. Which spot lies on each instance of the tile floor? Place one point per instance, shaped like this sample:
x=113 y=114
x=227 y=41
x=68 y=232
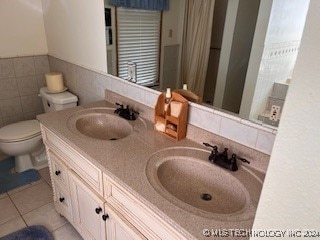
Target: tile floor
x=32 y=204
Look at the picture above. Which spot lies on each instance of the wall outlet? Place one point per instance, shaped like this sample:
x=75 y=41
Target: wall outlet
x=275 y=113
x=131 y=71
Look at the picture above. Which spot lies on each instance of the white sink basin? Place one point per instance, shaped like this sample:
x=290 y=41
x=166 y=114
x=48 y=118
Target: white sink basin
x=102 y=124
x=187 y=179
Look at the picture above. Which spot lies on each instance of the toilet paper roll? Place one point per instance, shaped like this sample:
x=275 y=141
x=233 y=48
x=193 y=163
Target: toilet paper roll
x=54 y=82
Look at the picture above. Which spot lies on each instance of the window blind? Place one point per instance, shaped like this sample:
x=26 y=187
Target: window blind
x=138 y=42
x=160 y=5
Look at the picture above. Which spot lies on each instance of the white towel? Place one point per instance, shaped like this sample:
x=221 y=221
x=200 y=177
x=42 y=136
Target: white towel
x=161 y=127
x=175 y=108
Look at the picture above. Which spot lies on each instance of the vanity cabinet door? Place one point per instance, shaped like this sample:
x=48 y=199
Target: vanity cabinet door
x=88 y=209
x=118 y=228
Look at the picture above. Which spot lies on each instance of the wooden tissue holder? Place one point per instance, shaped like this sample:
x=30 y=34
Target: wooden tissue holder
x=173 y=125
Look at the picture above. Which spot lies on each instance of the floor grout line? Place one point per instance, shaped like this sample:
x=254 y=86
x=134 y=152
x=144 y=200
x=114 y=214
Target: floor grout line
x=14 y=205
x=37 y=208
x=22 y=216
x=30 y=185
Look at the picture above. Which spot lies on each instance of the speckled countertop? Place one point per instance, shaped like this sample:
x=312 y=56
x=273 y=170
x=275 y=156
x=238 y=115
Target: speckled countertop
x=125 y=161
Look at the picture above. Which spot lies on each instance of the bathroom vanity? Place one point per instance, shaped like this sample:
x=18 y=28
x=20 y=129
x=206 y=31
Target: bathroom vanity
x=137 y=183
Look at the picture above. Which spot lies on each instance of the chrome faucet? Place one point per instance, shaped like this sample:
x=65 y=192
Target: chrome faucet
x=222 y=159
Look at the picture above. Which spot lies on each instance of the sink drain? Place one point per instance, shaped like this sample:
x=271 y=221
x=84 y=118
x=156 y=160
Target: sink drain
x=206 y=197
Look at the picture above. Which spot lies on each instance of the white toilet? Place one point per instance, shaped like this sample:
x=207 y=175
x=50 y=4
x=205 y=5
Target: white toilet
x=23 y=139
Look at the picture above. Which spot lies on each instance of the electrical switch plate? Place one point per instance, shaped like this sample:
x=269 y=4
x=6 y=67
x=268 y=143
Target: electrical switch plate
x=131 y=71
x=274 y=113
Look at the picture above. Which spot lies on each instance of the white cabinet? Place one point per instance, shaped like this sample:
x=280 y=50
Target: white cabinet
x=146 y=221
x=98 y=207
x=118 y=228
x=94 y=218
x=62 y=202
x=88 y=209
x=60 y=185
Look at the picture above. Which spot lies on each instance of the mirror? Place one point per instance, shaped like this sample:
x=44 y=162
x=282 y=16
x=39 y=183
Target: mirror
x=251 y=54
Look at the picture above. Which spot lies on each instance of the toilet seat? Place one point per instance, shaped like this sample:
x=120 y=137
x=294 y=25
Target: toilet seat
x=20 y=131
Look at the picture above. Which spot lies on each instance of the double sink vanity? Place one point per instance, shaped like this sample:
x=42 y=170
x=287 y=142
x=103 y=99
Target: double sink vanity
x=119 y=179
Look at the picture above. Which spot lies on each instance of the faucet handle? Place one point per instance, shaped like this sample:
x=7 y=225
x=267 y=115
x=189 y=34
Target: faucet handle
x=120 y=105
x=233 y=163
x=209 y=145
x=135 y=112
x=213 y=153
x=214 y=148
x=132 y=113
x=244 y=160
x=241 y=159
x=225 y=152
x=117 y=111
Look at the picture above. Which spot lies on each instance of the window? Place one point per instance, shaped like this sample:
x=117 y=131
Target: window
x=139 y=43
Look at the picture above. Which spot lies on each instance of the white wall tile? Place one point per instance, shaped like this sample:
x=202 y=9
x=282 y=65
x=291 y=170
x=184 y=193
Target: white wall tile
x=136 y=93
x=6 y=68
x=238 y=132
x=11 y=107
x=204 y=119
x=31 y=103
x=41 y=64
x=8 y=88
x=99 y=84
x=27 y=85
x=86 y=97
x=84 y=79
x=119 y=87
x=24 y=66
x=265 y=141
x=151 y=98
x=214 y=121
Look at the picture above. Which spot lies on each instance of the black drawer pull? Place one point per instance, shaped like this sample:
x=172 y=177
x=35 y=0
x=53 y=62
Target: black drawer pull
x=98 y=210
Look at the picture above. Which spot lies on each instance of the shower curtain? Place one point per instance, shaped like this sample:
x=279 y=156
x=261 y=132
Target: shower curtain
x=196 y=43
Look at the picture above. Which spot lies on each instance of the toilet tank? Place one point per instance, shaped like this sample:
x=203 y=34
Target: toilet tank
x=57 y=101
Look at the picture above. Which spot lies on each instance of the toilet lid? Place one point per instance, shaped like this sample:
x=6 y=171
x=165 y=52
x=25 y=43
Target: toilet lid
x=20 y=131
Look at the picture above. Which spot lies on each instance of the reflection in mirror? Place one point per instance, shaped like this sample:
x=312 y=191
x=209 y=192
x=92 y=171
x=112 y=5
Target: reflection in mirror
x=235 y=55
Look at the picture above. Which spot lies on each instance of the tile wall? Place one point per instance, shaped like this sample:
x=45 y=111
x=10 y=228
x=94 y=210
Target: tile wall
x=90 y=86
x=20 y=81
x=277 y=63
x=257 y=159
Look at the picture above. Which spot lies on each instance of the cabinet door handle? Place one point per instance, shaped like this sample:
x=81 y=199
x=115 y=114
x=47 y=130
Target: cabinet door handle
x=61 y=199
x=98 y=210
x=57 y=172
x=105 y=217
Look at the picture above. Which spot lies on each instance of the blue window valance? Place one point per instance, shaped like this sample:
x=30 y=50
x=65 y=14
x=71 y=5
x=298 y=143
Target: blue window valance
x=160 y=5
